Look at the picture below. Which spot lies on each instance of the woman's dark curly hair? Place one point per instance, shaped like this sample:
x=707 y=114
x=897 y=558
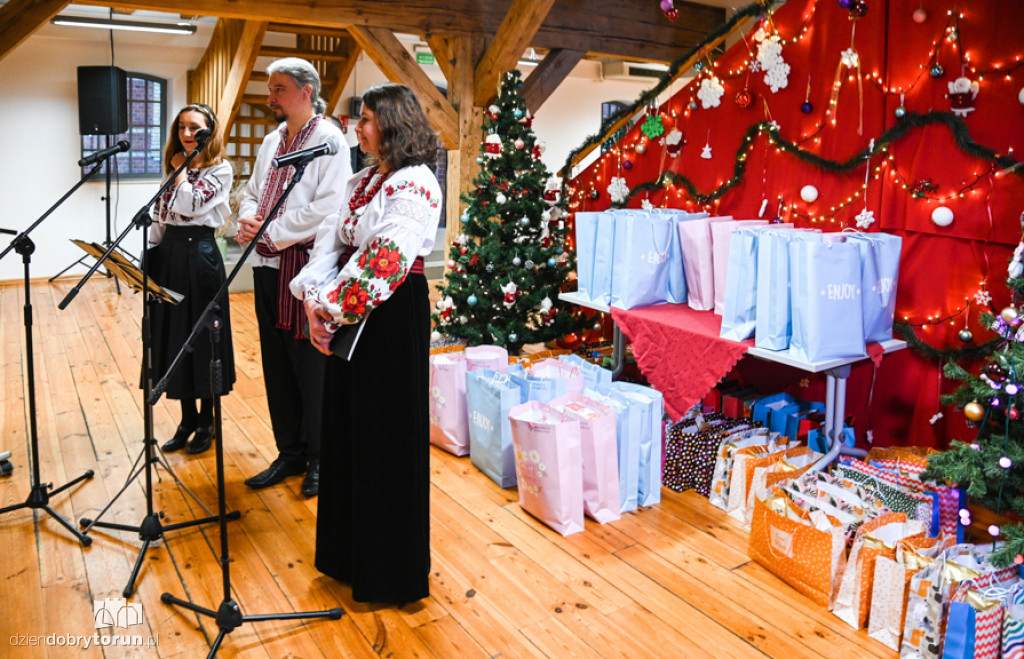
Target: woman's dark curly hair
x=406 y=136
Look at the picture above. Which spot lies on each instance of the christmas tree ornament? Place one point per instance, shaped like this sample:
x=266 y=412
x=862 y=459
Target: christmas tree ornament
x=471 y=300
x=653 y=127
x=519 y=143
x=974 y=411
x=672 y=14
x=463 y=320
x=524 y=221
x=995 y=372
x=920 y=15
x=500 y=198
x=435 y=336
x=464 y=217
x=529 y=264
x=806 y=107
x=516 y=261
x=1013 y=413
x=937 y=71
x=641 y=148
x=858 y=9
x=809 y=193
x=744 y=99
x=693 y=104
x=674 y=143
x=1010 y=316
x=705 y=153
x=1020 y=96
x=962 y=93
x=513 y=337
x=492 y=146
x=1005 y=462
x=627 y=164
x=900 y=112
x=451 y=264
x=942 y=216
x=594 y=193
x=552 y=262
x=666 y=5
x=845 y=4
x=698 y=66
x=493 y=109
x=618 y=190
x=769 y=59
x=710 y=92
x=517 y=113
x=489 y=267
x=1012 y=389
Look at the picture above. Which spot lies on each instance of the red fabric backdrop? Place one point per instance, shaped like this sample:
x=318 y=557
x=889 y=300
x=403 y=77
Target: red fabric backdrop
x=941 y=267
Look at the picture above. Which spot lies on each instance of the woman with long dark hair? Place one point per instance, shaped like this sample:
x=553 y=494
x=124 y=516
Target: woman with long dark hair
x=184 y=258
x=373 y=527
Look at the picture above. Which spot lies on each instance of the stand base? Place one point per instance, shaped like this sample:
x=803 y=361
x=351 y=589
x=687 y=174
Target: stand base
x=229 y=617
x=150 y=530
x=39 y=498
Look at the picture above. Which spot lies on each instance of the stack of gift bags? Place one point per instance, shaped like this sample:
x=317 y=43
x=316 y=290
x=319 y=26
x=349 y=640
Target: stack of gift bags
x=780 y=286
x=573 y=442
x=876 y=545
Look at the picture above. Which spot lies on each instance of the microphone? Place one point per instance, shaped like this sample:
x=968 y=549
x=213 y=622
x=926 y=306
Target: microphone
x=328 y=148
x=123 y=145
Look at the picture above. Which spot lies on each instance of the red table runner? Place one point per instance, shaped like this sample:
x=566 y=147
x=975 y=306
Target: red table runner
x=680 y=351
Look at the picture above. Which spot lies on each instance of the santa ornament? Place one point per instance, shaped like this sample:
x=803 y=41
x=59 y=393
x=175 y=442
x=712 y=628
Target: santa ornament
x=552 y=191
x=962 y=93
x=509 y=290
x=492 y=146
x=674 y=143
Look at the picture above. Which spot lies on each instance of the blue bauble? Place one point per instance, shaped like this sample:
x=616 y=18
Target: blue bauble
x=465 y=217
x=806 y=107
x=552 y=262
x=471 y=300
x=900 y=112
x=517 y=113
x=937 y=71
x=513 y=336
x=844 y=4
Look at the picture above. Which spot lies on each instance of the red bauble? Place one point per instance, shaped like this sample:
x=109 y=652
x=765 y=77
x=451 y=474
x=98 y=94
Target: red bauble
x=672 y=14
x=744 y=99
x=1014 y=414
x=858 y=9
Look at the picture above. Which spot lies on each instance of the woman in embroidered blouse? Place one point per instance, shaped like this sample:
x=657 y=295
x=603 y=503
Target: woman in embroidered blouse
x=184 y=258
x=373 y=510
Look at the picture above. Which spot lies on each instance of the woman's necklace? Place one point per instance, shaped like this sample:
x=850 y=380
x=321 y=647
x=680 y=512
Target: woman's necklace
x=362 y=196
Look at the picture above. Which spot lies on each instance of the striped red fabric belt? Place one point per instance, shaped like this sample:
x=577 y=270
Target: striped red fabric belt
x=348 y=250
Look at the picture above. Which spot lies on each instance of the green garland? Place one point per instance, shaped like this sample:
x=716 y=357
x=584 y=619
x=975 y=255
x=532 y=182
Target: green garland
x=651 y=95
x=907 y=333
x=903 y=126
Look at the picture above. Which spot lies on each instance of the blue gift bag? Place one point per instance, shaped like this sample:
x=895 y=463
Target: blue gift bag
x=586 y=240
x=773 y=322
x=793 y=419
x=880 y=269
x=540 y=389
x=604 y=258
x=640 y=260
x=738 y=313
x=593 y=374
x=818 y=442
x=627 y=435
x=677 y=293
x=490 y=396
x=763 y=407
x=652 y=410
x=828 y=316
x=960 y=632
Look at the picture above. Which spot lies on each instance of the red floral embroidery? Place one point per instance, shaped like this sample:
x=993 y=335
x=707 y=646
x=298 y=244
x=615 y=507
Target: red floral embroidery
x=385 y=262
x=353 y=300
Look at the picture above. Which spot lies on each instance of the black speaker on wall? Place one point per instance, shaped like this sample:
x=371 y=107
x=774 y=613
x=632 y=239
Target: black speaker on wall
x=102 y=100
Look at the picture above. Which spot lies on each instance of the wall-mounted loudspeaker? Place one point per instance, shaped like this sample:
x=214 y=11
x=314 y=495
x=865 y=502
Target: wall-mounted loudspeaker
x=102 y=100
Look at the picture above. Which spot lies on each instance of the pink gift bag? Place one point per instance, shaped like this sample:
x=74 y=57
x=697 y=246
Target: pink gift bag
x=494 y=358
x=449 y=418
x=549 y=465
x=600 y=455
x=698 y=261
x=721 y=235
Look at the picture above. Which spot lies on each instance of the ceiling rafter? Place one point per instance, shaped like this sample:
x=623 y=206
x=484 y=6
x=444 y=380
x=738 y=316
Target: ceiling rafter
x=520 y=24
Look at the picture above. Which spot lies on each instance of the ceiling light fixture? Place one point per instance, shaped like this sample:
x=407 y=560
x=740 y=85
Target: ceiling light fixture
x=117 y=24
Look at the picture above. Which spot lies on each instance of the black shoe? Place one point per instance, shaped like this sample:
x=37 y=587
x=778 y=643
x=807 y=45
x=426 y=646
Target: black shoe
x=202 y=440
x=178 y=441
x=277 y=471
x=311 y=483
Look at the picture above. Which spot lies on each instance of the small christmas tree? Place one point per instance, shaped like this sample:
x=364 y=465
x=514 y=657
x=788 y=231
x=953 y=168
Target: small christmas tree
x=507 y=267
x=991 y=468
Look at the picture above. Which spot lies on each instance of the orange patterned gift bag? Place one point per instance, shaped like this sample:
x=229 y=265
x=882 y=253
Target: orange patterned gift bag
x=807 y=550
x=875 y=538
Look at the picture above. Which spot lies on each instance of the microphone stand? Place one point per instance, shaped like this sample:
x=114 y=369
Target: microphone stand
x=228 y=615
x=150 y=529
x=39 y=496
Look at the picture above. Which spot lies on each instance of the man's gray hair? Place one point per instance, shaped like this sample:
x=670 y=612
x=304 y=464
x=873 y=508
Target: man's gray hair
x=303 y=73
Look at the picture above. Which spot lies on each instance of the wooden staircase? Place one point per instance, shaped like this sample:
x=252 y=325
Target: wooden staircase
x=222 y=78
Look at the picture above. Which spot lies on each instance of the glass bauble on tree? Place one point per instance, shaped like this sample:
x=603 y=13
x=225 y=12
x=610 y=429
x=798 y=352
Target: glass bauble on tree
x=509 y=262
x=991 y=466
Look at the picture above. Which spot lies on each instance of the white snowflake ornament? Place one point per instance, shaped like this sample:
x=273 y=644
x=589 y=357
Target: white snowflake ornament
x=769 y=60
x=710 y=92
x=850 y=58
x=982 y=297
x=865 y=218
x=618 y=190
x=647 y=205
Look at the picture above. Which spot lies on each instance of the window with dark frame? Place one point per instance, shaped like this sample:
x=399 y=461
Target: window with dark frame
x=147 y=118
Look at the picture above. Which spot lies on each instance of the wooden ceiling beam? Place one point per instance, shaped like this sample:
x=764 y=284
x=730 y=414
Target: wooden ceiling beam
x=631 y=29
x=516 y=32
x=340 y=72
x=552 y=70
x=21 y=18
x=395 y=62
x=442 y=49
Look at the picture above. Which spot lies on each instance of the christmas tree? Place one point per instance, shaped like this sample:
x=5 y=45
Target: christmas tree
x=991 y=468
x=507 y=267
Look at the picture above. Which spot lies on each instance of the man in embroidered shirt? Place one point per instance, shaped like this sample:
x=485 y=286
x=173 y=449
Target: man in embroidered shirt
x=292 y=369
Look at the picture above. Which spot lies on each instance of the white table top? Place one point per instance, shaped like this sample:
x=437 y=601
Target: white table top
x=778 y=356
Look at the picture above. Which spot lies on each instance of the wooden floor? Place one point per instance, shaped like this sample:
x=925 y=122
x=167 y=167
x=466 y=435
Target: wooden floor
x=668 y=581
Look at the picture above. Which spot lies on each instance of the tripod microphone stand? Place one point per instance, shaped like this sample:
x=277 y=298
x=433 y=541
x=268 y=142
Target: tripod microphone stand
x=150 y=529
x=228 y=615
x=39 y=497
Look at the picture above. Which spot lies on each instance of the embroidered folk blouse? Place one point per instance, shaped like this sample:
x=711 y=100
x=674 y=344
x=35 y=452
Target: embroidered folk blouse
x=389 y=232
x=201 y=200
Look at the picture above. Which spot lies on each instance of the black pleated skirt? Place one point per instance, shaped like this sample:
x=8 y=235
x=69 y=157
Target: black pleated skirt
x=373 y=510
x=188 y=261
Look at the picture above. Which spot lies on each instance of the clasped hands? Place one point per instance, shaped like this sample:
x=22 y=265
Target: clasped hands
x=318 y=317
x=248 y=227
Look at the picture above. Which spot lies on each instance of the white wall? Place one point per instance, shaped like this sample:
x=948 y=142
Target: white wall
x=41 y=144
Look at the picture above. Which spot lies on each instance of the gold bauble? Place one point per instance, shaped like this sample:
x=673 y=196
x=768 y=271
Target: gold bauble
x=974 y=411
x=1010 y=315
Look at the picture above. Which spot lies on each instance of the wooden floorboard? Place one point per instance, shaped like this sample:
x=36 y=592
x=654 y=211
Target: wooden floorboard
x=671 y=580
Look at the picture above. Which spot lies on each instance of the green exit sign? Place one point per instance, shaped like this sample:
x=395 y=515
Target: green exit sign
x=424 y=58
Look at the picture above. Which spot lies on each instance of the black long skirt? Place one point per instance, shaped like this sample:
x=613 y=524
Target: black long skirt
x=373 y=510
x=188 y=261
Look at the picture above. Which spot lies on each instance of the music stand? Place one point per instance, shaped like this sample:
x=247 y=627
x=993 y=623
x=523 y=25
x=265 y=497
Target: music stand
x=150 y=529
x=228 y=615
